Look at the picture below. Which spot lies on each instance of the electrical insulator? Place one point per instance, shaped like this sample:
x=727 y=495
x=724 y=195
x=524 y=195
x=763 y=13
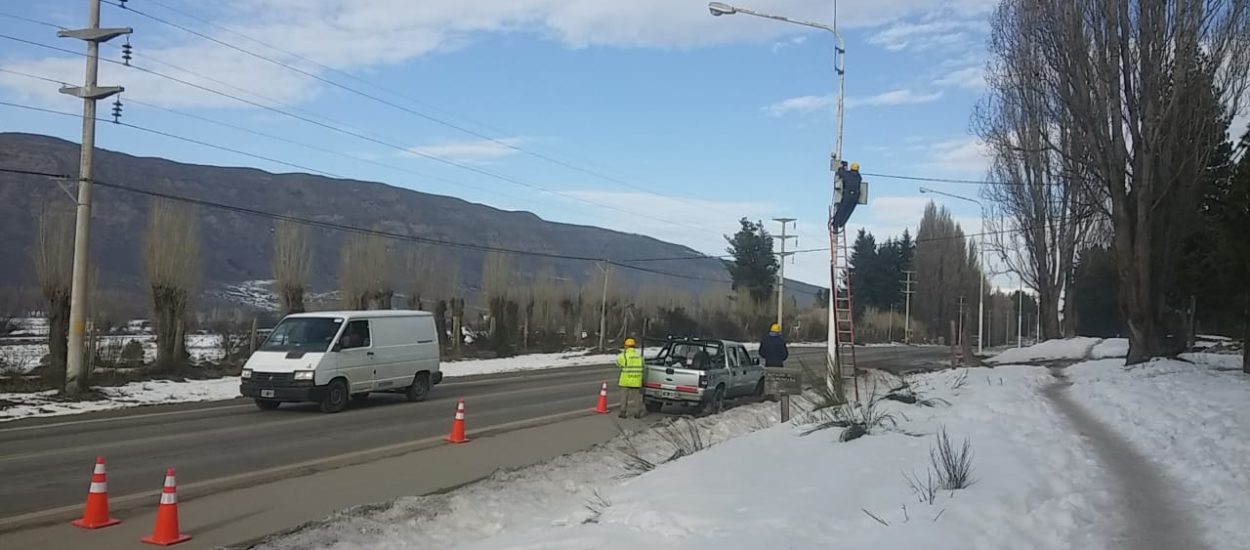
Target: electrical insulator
x=121 y=4
x=117 y=110
x=126 y=53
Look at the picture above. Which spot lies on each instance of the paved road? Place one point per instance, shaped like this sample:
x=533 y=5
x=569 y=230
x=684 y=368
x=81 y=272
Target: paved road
x=46 y=463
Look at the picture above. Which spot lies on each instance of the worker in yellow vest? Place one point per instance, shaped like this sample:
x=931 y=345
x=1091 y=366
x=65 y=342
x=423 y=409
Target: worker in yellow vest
x=630 y=363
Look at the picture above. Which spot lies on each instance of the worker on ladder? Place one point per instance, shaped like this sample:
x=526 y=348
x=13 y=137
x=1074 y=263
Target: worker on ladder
x=852 y=181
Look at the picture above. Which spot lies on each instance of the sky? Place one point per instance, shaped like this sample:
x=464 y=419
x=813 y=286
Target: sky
x=647 y=116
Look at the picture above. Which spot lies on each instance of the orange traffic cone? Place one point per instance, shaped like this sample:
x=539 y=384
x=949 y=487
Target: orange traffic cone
x=457 y=426
x=96 y=514
x=602 y=407
x=166 y=532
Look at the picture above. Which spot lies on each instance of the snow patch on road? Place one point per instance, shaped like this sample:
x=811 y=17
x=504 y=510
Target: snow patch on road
x=1191 y=419
x=776 y=488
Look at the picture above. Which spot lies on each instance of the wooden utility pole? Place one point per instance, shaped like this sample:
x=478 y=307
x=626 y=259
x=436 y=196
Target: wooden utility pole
x=907 y=292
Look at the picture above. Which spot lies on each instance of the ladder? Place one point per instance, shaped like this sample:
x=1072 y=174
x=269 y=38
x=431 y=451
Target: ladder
x=843 y=309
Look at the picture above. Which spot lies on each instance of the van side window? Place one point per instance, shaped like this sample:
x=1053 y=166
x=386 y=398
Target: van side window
x=356 y=335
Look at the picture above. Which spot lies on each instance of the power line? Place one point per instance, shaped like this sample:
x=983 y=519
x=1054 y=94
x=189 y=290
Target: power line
x=275 y=137
x=383 y=101
x=355 y=229
x=358 y=135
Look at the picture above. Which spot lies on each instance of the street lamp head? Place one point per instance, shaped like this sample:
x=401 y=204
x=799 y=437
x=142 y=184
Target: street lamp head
x=720 y=8
x=925 y=190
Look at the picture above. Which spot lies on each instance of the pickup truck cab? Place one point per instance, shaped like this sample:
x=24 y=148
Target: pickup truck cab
x=694 y=372
x=326 y=357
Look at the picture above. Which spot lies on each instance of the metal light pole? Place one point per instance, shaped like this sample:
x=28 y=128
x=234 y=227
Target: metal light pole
x=781 y=271
x=980 y=256
x=839 y=67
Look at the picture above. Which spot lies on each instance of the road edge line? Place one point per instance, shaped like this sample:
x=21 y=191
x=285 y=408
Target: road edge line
x=205 y=488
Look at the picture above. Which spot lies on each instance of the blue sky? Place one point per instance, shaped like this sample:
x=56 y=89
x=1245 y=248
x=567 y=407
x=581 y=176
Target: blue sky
x=686 y=121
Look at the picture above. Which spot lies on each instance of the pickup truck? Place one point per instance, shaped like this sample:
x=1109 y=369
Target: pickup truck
x=694 y=372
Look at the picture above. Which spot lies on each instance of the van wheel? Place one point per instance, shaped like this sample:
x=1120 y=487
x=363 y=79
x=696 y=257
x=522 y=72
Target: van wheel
x=420 y=388
x=335 y=399
x=717 y=404
x=653 y=406
x=267 y=404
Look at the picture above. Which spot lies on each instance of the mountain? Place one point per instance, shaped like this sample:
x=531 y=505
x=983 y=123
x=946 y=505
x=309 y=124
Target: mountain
x=236 y=247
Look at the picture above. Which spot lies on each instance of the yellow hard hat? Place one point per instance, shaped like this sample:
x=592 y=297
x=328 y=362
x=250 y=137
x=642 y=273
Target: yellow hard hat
x=629 y=343
x=775 y=328
x=855 y=166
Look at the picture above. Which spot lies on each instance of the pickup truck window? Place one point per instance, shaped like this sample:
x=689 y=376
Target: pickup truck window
x=692 y=355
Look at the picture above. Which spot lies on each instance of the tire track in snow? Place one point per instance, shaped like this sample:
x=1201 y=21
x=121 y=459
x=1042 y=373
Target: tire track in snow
x=1150 y=518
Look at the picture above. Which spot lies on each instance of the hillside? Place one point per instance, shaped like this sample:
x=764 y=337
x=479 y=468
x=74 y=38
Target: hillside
x=237 y=247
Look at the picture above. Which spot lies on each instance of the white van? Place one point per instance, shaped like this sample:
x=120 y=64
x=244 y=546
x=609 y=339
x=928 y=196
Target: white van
x=328 y=356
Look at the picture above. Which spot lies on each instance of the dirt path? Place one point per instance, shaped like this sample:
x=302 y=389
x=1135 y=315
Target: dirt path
x=1149 y=518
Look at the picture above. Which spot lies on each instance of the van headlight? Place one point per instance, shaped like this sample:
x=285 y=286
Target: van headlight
x=304 y=374
x=247 y=374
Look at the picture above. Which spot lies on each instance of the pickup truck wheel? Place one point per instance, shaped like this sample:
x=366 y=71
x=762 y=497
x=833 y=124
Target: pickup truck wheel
x=717 y=404
x=420 y=388
x=267 y=404
x=335 y=399
x=653 y=406
x=759 y=390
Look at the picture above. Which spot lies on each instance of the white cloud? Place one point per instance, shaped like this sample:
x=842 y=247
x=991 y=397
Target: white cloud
x=928 y=35
x=472 y=151
x=793 y=41
x=968 y=78
x=358 y=34
x=893 y=97
x=967 y=157
x=702 y=223
x=800 y=105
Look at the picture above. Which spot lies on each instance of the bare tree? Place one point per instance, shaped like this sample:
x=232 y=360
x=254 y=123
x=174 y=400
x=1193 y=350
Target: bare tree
x=496 y=281
x=365 y=273
x=54 y=262
x=1146 y=87
x=948 y=272
x=1044 y=204
x=171 y=261
x=292 y=265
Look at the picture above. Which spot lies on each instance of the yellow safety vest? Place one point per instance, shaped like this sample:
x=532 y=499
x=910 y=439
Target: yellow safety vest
x=630 y=363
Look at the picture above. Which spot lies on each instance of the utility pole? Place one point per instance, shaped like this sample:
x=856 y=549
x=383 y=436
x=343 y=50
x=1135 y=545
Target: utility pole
x=781 y=272
x=960 y=334
x=603 y=305
x=890 y=335
x=90 y=93
x=1020 y=321
x=907 y=292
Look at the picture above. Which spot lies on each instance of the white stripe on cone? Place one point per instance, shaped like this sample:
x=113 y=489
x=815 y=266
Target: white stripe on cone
x=99 y=468
x=99 y=487
x=169 y=481
x=169 y=498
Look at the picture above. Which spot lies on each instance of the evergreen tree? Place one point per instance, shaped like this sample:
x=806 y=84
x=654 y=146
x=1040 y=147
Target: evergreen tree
x=754 y=266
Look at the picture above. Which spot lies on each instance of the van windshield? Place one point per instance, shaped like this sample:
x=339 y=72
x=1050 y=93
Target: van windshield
x=309 y=334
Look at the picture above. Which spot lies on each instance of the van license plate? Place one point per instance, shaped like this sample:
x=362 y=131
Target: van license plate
x=666 y=394
x=266 y=393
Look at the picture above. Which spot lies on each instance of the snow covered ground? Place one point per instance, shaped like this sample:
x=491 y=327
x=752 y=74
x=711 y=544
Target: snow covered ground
x=21 y=358
x=1193 y=421
x=1068 y=349
x=1037 y=484
x=134 y=394
x=532 y=361
x=776 y=488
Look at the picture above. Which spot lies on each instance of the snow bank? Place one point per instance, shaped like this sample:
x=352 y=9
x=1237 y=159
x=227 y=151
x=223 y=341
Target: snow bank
x=1069 y=349
x=549 y=493
x=775 y=488
x=1192 y=420
x=1111 y=347
x=533 y=361
x=130 y=395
